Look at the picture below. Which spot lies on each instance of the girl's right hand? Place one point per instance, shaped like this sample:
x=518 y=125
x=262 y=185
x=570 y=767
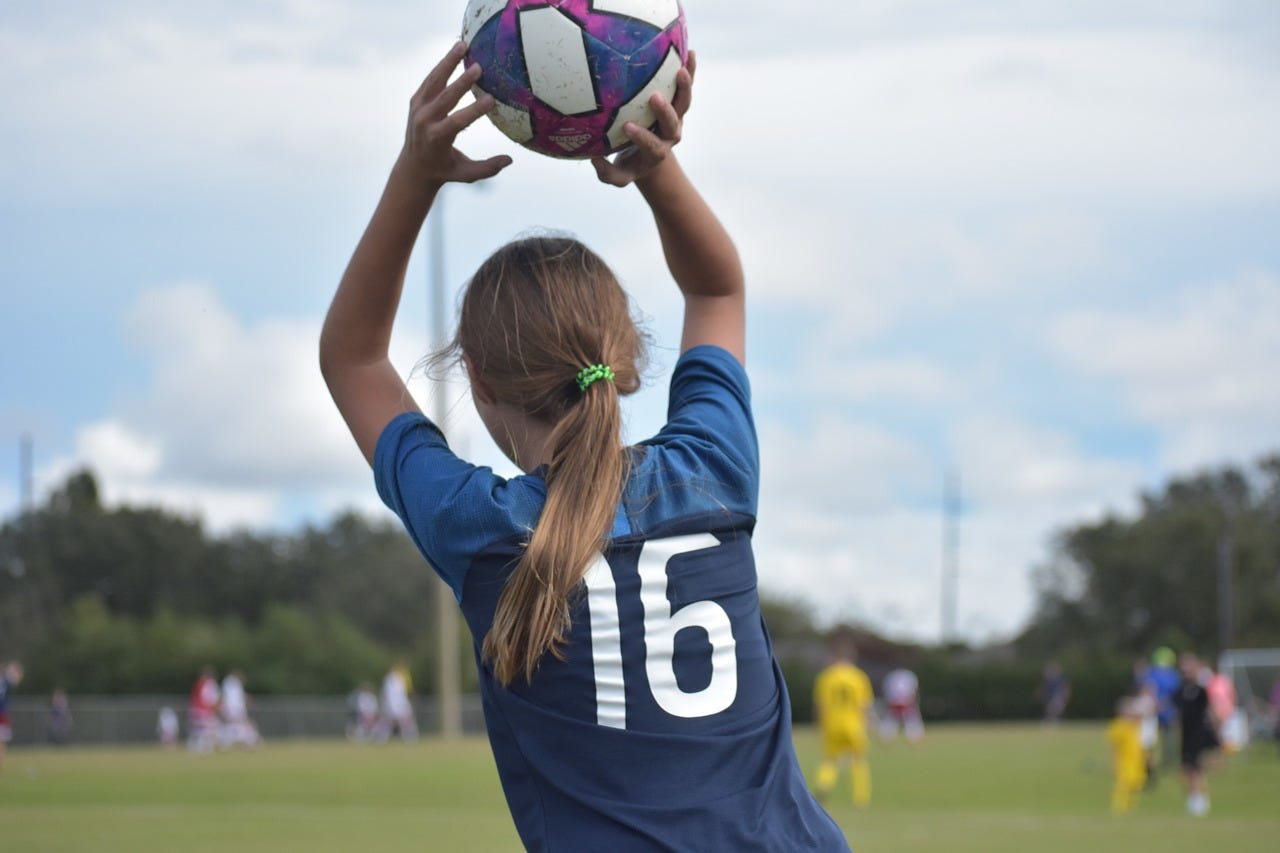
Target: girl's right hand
x=429 y=151
x=649 y=150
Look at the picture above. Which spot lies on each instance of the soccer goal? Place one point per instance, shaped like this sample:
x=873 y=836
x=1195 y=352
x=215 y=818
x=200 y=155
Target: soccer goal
x=1256 y=676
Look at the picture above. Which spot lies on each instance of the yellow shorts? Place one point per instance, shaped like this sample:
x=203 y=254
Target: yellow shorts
x=838 y=741
x=1131 y=776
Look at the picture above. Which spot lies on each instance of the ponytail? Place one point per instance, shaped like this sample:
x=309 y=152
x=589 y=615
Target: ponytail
x=548 y=327
x=584 y=482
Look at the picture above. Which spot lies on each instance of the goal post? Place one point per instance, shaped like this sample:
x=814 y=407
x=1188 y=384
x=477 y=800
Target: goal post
x=1255 y=673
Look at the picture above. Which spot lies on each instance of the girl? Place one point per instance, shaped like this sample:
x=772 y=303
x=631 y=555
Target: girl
x=629 y=688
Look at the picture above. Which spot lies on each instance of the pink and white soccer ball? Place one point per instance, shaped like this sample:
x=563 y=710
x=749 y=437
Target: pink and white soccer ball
x=567 y=74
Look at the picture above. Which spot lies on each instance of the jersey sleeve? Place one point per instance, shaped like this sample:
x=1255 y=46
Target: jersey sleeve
x=450 y=508
x=710 y=426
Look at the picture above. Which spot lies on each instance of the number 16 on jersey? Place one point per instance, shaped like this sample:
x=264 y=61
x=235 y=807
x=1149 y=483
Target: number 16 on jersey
x=660 y=628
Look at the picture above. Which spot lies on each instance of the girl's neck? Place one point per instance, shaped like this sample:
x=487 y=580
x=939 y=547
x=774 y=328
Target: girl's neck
x=525 y=440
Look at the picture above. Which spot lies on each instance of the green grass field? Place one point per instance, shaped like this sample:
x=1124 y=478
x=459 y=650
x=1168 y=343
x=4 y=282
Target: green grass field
x=967 y=788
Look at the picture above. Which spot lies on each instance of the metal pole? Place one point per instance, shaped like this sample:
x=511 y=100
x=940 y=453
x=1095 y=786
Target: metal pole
x=1226 y=591
x=447 y=676
x=950 y=554
x=26 y=480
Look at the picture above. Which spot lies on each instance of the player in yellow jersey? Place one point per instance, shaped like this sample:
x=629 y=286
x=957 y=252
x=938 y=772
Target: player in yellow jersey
x=1130 y=762
x=843 y=702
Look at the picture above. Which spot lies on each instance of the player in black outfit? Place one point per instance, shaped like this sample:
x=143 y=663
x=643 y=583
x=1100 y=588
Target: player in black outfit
x=1199 y=732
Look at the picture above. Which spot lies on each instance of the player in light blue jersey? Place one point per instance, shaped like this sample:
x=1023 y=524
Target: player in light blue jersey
x=630 y=691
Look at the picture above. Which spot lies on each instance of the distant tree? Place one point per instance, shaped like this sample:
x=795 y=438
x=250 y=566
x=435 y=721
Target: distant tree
x=1129 y=584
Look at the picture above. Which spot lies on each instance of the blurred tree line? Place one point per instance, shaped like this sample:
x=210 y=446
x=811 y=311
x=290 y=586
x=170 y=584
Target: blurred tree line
x=133 y=599
x=130 y=599
x=1197 y=568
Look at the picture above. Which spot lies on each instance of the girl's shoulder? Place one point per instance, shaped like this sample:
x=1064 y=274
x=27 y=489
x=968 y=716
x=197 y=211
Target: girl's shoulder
x=451 y=508
x=706 y=458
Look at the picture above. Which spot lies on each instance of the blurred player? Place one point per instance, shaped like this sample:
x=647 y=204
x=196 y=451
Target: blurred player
x=843 y=701
x=202 y=713
x=237 y=728
x=902 y=694
x=362 y=714
x=397 y=710
x=1055 y=692
x=1129 y=764
x=1145 y=706
x=58 y=720
x=167 y=727
x=1233 y=723
x=1274 y=715
x=1165 y=681
x=10 y=677
x=1199 y=732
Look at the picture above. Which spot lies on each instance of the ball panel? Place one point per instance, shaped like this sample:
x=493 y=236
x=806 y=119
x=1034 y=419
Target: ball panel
x=637 y=109
x=568 y=136
x=479 y=13
x=658 y=13
x=513 y=121
x=556 y=56
x=648 y=61
x=625 y=35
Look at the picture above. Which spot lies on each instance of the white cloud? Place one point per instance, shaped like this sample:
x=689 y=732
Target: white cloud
x=842 y=524
x=235 y=421
x=884 y=166
x=838 y=464
x=1016 y=116
x=973 y=107
x=1200 y=365
x=1016 y=467
x=121 y=453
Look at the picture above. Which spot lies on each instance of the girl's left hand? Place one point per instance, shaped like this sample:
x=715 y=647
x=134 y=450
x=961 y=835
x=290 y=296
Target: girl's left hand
x=649 y=150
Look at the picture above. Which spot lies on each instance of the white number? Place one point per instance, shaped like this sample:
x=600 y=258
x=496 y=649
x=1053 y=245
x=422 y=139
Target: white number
x=660 y=629
x=606 y=646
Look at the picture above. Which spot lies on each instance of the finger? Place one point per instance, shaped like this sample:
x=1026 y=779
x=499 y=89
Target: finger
x=608 y=173
x=691 y=65
x=668 y=118
x=468 y=115
x=441 y=104
x=480 y=170
x=684 y=92
x=646 y=140
x=439 y=75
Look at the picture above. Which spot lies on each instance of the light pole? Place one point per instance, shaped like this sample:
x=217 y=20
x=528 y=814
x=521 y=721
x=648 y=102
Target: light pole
x=448 y=700
x=951 y=507
x=26 y=481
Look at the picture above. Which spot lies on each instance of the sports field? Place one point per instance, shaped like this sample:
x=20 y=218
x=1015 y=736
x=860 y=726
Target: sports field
x=966 y=788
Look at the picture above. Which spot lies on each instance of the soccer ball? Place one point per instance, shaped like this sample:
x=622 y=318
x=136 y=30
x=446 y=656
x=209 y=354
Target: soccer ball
x=567 y=74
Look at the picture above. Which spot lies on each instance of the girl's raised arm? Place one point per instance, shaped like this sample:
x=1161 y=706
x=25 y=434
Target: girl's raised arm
x=357 y=330
x=699 y=252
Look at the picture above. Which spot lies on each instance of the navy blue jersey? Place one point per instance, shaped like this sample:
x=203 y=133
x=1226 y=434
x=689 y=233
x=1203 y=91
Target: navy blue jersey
x=667 y=725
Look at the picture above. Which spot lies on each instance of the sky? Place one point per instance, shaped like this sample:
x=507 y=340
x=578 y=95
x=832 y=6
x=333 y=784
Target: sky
x=1032 y=243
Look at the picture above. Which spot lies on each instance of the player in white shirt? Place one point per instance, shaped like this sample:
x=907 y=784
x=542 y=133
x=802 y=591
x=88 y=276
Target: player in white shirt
x=167 y=728
x=237 y=728
x=902 y=695
x=397 y=711
x=362 y=714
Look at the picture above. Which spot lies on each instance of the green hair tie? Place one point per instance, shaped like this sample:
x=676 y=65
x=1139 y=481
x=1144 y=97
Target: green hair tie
x=593 y=374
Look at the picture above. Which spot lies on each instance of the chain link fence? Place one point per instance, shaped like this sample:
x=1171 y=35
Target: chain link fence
x=105 y=720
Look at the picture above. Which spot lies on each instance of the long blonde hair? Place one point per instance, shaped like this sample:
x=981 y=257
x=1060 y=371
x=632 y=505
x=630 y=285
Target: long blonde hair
x=534 y=315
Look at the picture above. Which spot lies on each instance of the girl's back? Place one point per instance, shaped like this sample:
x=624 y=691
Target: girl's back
x=666 y=721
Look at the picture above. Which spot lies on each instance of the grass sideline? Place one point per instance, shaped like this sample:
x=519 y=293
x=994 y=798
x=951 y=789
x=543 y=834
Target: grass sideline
x=967 y=788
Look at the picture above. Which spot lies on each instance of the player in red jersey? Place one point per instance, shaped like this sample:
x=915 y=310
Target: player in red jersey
x=203 y=712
